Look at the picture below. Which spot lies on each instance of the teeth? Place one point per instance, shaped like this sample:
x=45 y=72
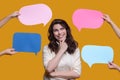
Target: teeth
x=60 y=36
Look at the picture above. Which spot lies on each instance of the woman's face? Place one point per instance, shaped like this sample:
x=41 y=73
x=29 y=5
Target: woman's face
x=59 y=32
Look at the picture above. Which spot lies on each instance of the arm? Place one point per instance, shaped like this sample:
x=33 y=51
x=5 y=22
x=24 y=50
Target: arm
x=113 y=25
x=52 y=64
x=74 y=72
x=112 y=65
x=65 y=74
x=8 y=51
x=6 y=19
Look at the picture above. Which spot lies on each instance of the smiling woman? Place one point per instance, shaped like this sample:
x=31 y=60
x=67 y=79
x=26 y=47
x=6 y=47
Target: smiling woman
x=61 y=57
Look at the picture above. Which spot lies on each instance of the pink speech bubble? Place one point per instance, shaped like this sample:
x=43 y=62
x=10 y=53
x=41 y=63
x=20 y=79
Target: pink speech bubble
x=84 y=18
x=35 y=14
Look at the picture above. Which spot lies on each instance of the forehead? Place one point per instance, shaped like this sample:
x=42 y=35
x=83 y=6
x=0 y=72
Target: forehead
x=57 y=26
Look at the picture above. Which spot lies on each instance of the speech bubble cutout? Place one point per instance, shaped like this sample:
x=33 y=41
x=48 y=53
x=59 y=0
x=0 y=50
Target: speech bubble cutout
x=35 y=14
x=92 y=54
x=85 y=18
x=27 y=42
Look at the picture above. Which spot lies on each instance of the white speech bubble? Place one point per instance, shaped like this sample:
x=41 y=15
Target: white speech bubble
x=93 y=54
x=35 y=14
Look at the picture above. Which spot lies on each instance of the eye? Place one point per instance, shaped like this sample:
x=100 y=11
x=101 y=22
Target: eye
x=62 y=28
x=55 y=30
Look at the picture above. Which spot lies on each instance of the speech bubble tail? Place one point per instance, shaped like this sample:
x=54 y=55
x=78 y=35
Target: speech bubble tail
x=90 y=65
x=36 y=53
x=79 y=29
x=44 y=24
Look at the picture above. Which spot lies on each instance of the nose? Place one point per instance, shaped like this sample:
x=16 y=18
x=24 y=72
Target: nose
x=59 y=32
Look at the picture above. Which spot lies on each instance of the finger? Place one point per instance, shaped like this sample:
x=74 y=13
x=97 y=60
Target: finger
x=63 y=40
x=18 y=14
x=13 y=52
x=60 y=41
x=110 y=63
x=12 y=49
x=104 y=17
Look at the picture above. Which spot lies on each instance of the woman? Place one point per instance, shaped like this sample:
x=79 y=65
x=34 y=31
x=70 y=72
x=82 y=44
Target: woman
x=61 y=56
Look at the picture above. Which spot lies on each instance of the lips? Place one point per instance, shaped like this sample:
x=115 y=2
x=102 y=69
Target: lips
x=61 y=36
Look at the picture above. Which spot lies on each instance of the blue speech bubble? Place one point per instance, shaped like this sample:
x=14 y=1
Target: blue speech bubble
x=92 y=54
x=27 y=42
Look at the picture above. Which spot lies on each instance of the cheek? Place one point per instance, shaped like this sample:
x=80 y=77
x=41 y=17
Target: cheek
x=55 y=33
x=65 y=32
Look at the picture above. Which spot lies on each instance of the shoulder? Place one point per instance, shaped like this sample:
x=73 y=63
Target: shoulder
x=46 y=47
x=77 y=51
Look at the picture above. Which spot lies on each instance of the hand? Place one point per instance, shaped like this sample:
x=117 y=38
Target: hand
x=9 y=51
x=107 y=18
x=112 y=65
x=14 y=14
x=63 y=46
x=52 y=74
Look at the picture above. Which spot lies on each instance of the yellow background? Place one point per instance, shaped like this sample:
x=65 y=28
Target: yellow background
x=27 y=66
